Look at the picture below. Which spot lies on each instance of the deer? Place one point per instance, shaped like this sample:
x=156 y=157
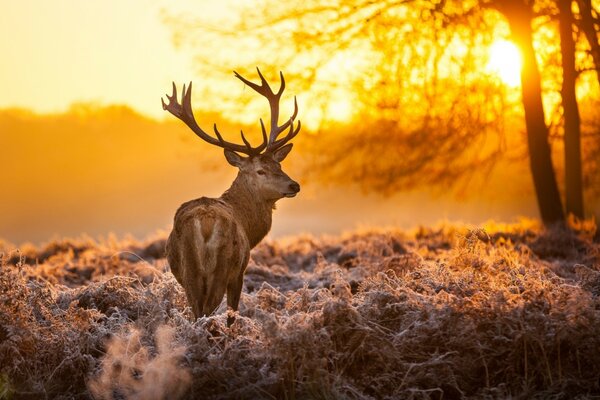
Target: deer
x=209 y=246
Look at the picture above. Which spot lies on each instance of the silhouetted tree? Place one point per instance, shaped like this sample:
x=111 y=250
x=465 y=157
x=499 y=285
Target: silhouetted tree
x=589 y=23
x=572 y=121
x=519 y=14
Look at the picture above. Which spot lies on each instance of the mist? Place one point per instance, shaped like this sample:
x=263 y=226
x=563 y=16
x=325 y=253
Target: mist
x=100 y=171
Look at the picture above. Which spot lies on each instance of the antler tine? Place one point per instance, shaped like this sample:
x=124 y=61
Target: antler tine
x=170 y=98
x=217 y=132
x=263 y=130
x=287 y=123
x=282 y=86
x=186 y=99
x=184 y=106
x=264 y=84
x=253 y=85
x=244 y=140
x=264 y=88
x=291 y=134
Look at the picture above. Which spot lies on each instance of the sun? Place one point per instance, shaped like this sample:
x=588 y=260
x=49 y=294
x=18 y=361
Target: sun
x=505 y=61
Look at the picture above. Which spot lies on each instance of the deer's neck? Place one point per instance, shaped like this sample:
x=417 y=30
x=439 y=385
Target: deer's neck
x=252 y=212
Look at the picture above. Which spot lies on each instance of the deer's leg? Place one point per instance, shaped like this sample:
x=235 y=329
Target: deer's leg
x=234 y=292
x=217 y=280
x=214 y=296
x=196 y=286
x=201 y=272
x=196 y=295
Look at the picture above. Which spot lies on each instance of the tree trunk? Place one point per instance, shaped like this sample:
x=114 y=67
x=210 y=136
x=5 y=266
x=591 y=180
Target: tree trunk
x=518 y=14
x=573 y=175
x=590 y=30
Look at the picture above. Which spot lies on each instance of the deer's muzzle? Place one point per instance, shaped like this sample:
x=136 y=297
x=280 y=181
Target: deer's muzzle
x=294 y=188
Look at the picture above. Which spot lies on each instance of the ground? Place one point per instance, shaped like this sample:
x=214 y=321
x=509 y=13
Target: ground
x=494 y=312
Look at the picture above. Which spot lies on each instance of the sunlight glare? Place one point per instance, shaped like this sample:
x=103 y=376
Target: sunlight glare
x=340 y=110
x=505 y=61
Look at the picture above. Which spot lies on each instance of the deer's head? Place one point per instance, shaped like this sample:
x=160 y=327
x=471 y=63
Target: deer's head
x=260 y=166
x=264 y=173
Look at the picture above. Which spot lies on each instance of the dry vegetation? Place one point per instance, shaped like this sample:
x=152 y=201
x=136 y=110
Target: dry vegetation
x=505 y=312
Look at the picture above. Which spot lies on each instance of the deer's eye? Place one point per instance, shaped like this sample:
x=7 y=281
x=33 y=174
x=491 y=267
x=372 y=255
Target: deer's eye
x=260 y=172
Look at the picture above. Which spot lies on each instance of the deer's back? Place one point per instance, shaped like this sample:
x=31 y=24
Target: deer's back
x=204 y=232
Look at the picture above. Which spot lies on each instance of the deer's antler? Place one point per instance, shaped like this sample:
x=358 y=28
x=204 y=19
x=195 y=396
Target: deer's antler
x=273 y=98
x=184 y=112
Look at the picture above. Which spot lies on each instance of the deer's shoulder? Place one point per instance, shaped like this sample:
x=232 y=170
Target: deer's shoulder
x=207 y=215
x=201 y=208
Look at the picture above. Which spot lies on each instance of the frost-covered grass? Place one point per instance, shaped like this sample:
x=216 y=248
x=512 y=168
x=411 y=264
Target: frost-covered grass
x=503 y=311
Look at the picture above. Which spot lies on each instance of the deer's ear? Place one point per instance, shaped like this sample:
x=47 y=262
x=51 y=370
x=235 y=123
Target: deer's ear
x=282 y=153
x=234 y=158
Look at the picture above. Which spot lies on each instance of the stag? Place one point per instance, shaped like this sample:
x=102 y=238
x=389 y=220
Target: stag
x=209 y=247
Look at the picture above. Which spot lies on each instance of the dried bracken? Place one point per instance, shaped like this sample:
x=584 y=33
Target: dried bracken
x=495 y=312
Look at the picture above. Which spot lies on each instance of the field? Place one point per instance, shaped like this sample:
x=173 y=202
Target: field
x=501 y=311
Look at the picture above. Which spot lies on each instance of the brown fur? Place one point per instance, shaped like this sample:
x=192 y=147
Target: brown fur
x=209 y=247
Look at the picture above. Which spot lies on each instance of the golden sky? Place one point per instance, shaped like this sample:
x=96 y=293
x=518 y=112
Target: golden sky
x=58 y=52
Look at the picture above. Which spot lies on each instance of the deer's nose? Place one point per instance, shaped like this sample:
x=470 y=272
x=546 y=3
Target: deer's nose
x=294 y=187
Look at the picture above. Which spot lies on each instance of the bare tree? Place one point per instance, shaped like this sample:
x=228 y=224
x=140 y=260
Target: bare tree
x=572 y=122
x=519 y=14
x=589 y=23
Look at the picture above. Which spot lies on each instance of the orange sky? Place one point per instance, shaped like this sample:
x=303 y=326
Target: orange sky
x=58 y=52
